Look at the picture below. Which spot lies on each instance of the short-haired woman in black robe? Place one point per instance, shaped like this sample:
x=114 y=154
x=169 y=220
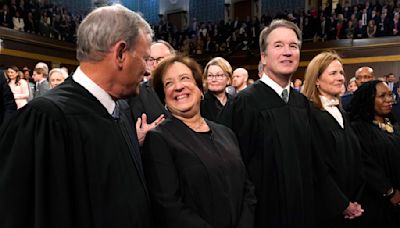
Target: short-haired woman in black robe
x=193 y=167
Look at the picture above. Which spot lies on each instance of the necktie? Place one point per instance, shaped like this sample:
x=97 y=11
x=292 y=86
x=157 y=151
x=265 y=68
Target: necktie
x=115 y=113
x=285 y=96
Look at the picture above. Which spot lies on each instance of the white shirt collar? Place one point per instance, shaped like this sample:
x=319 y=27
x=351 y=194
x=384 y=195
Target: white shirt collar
x=101 y=95
x=275 y=86
x=330 y=105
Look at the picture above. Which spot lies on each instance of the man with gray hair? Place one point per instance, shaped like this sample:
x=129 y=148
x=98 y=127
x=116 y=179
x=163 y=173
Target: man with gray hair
x=79 y=165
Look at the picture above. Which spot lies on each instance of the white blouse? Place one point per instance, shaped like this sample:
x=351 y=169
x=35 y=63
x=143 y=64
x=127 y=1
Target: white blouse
x=330 y=105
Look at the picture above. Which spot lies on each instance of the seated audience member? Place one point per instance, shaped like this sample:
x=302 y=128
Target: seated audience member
x=18 y=22
x=340 y=149
x=379 y=135
x=41 y=84
x=192 y=165
x=56 y=77
x=18 y=85
x=218 y=73
x=239 y=79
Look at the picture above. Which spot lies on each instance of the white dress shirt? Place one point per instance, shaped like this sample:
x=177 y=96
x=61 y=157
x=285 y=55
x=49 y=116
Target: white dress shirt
x=101 y=95
x=275 y=86
x=330 y=105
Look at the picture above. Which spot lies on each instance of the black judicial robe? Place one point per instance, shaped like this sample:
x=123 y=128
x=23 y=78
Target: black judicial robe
x=65 y=162
x=341 y=153
x=212 y=109
x=381 y=159
x=197 y=179
x=147 y=102
x=276 y=142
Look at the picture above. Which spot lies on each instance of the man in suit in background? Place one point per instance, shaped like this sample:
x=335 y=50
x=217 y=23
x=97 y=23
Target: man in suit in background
x=147 y=108
x=40 y=77
x=392 y=83
x=79 y=163
x=394 y=86
x=362 y=75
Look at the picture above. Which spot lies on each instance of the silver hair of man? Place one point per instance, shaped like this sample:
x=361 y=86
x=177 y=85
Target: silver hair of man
x=278 y=23
x=104 y=27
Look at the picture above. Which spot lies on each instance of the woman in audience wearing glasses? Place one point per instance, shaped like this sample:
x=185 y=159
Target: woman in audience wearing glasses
x=218 y=73
x=339 y=147
x=193 y=168
x=379 y=135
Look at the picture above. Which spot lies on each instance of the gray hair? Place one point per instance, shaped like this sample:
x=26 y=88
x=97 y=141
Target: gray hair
x=278 y=23
x=58 y=70
x=104 y=27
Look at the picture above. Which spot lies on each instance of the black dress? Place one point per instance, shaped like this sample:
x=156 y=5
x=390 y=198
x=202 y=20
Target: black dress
x=341 y=153
x=381 y=159
x=197 y=179
x=277 y=145
x=212 y=109
x=65 y=162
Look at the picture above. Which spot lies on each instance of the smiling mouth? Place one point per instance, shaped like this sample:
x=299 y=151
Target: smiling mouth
x=181 y=97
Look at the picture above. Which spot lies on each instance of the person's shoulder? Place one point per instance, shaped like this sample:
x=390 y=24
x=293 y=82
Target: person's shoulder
x=250 y=91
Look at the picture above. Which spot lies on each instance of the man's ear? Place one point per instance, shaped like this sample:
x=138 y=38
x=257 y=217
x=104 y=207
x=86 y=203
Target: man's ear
x=120 y=50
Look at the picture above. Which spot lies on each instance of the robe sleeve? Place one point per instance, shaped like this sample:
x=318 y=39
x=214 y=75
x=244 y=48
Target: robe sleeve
x=164 y=186
x=375 y=173
x=330 y=200
x=244 y=125
x=33 y=171
x=249 y=204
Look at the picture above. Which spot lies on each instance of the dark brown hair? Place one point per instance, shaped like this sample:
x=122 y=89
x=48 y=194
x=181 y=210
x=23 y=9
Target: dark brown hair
x=160 y=70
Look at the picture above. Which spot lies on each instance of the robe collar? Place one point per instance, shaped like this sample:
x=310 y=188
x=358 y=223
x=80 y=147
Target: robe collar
x=105 y=99
x=275 y=86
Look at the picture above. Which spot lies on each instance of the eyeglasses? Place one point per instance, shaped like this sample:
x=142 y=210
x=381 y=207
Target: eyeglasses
x=387 y=96
x=152 y=60
x=216 y=76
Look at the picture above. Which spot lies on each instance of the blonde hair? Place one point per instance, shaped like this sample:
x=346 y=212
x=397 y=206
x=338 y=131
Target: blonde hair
x=314 y=70
x=59 y=70
x=221 y=62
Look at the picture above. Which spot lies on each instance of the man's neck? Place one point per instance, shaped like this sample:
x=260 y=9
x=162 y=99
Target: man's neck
x=281 y=80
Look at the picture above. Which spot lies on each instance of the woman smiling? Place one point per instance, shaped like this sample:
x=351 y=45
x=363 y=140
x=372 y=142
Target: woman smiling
x=193 y=166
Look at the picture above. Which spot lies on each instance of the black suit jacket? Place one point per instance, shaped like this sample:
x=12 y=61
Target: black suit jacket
x=7 y=102
x=147 y=102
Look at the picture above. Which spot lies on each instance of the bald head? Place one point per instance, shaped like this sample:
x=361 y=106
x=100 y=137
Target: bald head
x=364 y=74
x=239 y=78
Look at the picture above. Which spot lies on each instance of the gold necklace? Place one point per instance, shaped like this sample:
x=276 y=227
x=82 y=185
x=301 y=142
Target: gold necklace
x=386 y=126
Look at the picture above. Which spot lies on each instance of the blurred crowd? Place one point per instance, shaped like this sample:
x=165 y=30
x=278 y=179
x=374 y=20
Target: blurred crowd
x=36 y=17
